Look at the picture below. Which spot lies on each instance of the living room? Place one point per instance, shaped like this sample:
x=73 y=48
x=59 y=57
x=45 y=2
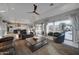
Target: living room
x=39 y=29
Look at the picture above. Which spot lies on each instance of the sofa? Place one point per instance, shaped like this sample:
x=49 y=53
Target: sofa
x=23 y=34
x=59 y=37
x=7 y=46
x=50 y=34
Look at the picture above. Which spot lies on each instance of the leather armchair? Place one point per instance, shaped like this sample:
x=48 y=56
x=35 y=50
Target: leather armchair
x=6 y=45
x=59 y=38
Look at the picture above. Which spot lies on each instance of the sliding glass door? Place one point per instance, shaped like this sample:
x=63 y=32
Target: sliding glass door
x=66 y=26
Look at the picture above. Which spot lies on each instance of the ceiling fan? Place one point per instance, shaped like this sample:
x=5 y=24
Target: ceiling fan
x=35 y=10
x=51 y=4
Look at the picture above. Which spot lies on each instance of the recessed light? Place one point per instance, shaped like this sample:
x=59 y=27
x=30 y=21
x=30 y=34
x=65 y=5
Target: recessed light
x=2 y=11
x=13 y=8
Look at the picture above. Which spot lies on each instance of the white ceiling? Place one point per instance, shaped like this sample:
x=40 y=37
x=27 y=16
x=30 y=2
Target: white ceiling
x=17 y=12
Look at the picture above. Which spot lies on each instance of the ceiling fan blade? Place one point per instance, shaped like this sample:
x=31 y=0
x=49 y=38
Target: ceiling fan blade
x=36 y=13
x=35 y=7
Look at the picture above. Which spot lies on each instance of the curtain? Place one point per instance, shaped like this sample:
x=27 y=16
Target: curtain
x=75 y=28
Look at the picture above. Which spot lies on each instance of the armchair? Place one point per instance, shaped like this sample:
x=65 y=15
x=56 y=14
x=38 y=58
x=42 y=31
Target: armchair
x=6 y=46
x=59 y=38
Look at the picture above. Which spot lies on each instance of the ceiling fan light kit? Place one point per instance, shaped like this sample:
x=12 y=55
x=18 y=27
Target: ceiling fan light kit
x=51 y=4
